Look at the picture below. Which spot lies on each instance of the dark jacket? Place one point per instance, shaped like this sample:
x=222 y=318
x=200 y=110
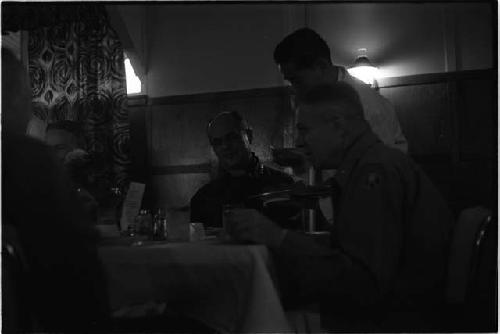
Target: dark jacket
x=386 y=266
x=206 y=204
x=65 y=288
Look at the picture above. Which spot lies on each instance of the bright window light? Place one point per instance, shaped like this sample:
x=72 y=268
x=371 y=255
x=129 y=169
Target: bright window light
x=134 y=85
x=367 y=74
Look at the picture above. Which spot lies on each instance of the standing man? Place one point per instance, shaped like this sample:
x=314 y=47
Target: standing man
x=385 y=269
x=241 y=174
x=304 y=60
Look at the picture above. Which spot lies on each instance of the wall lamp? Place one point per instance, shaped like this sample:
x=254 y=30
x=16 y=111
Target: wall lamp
x=364 y=70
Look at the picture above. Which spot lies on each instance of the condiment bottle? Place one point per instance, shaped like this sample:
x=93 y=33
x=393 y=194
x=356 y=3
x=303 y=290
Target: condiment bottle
x=159 y=231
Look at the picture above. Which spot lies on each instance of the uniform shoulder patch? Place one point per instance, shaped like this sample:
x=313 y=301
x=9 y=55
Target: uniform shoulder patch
x=373 y=179
x=371 y=176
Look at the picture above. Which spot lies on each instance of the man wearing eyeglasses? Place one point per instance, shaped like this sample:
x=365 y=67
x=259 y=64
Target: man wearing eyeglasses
x=241 y=174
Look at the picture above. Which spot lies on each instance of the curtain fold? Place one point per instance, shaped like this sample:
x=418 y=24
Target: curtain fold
x=77 y=73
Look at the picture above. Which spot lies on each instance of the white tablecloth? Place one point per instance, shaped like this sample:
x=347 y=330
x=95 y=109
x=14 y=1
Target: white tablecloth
x=228 y=287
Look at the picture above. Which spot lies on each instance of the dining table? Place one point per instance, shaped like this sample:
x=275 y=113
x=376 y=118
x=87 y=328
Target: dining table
x=227 y=286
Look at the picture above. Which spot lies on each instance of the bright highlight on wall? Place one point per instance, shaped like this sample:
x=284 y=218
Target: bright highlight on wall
x=367 y=74
x=363 y=69
x=134 y=85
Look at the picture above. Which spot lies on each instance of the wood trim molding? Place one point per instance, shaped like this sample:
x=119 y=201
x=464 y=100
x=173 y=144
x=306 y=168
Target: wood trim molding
x=137 y=100
x=421 y=79
x=214 y=96
x=411 y=80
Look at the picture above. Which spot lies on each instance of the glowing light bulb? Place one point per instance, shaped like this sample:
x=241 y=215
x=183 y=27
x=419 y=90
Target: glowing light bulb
x=363 y=69
x=365 y=73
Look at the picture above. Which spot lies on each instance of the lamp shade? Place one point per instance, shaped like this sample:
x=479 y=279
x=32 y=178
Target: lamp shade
x=364 y=70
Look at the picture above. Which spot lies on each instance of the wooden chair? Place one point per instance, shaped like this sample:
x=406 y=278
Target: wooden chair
x=16 y=316
x=472 y=273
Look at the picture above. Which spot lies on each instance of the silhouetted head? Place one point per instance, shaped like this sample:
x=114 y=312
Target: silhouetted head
x=304 y=60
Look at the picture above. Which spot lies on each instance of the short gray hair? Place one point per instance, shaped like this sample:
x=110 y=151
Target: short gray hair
x=336 y=92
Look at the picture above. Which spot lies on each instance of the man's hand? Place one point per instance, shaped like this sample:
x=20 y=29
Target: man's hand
x=251 y=225
x=291 y=157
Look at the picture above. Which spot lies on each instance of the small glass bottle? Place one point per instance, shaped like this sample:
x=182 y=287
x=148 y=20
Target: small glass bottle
x=143 y=222
x=138 y=226
x=116 y=204
x=159 y=231
x=132 y=229
x=147 y=222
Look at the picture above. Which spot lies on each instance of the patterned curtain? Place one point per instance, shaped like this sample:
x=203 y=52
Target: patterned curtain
x=77 y=73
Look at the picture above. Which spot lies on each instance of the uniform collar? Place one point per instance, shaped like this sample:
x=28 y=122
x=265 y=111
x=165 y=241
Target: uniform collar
x=360 y=146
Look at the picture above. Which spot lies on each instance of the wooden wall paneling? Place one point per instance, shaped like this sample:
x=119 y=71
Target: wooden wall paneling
x=266 y=116
x=149 y=192
x=427 y=122
x=425 y=118
x=463 y=106
x=474 y=183
x=175 y=190
x=181 y=157
x=284 y=124
x=217 y=97
x=453 y=104
x=477 y=114
x=424 y=79
x=475 y=173
x=139 y=143
x=178 y=139
x=448 y=119
x=179 y=134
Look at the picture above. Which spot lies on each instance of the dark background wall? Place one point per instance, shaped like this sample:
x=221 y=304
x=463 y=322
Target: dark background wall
x=449 y=120
x=170 y=134
x=199 y=59
x=190 y=49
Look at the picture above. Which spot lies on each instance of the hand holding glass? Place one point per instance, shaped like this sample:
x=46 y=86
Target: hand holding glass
x=291 y=157
x=249 y=225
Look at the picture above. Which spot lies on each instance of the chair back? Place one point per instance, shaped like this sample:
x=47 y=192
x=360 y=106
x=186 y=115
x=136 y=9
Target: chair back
x=16 y=316
x=481 y=301
x=468 y=235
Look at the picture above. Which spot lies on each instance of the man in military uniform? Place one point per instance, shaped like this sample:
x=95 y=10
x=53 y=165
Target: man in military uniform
x=241 y=174
x=385 y=269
